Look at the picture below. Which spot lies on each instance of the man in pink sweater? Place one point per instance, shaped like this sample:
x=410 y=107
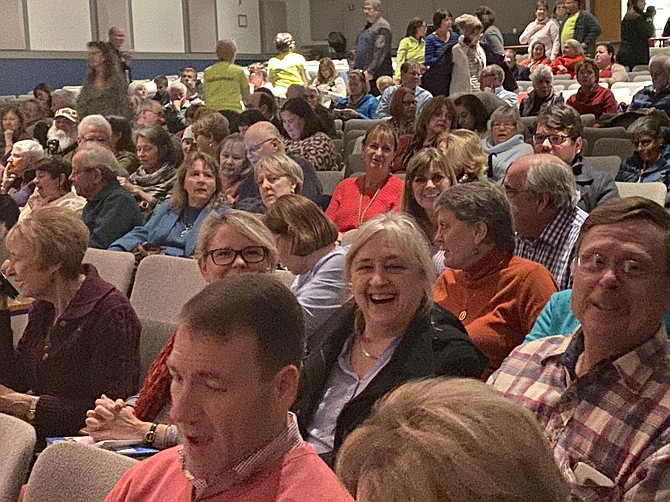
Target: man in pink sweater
x=234 y=370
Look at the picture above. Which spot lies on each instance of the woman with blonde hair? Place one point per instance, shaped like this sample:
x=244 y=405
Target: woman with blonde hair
x=225 y=84
x=307 y=244
x=413 y=46
x=277 y=175
x=428 y=175
x=449 y=439
x=389 y=332
x=573 y=52
x=464 y=153
x=330 y=85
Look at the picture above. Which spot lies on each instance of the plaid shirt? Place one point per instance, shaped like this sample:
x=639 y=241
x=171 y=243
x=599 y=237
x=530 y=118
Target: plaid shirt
x=555 y=248
x=615 y=418
x=647 y=98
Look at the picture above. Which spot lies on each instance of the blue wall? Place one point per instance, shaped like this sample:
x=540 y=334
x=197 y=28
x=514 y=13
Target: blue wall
x=20 y=76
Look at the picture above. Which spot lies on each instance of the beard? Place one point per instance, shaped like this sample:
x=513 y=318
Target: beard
x=64 y=141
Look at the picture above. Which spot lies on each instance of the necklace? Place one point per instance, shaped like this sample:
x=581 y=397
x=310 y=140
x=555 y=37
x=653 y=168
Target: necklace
x=365 y=352
x=361 y=216
x=464 y=312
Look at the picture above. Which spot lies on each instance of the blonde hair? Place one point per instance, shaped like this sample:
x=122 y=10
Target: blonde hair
x=455 y=440
x=243 y=222
x=280 y=165
x=402 y=233
x=57 y=235
x=465 y=156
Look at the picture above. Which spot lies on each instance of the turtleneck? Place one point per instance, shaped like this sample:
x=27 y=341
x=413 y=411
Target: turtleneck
x=492 y=262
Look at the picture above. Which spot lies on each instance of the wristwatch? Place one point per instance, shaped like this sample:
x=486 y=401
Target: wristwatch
x=30 y=416
x=151 y=434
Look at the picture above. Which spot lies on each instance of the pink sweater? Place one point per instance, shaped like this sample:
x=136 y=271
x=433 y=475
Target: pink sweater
x=300 y=476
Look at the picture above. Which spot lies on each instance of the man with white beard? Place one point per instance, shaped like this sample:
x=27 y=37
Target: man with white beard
x=62 y=135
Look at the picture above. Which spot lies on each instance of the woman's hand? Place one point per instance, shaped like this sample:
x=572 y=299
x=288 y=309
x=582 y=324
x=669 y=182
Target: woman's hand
x=114 y=420
x=562 y=69
x=9 y=136
x=36 y=200
x=14 y=403
x=123 y=181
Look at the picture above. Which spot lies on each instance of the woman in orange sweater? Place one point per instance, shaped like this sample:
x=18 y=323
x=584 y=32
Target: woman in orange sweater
x=496 y=295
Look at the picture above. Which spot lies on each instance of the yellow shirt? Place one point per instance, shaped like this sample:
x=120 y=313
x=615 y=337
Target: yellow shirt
x=568 y=30
x=409 y=48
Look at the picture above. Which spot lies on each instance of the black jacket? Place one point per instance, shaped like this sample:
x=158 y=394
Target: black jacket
x=434 y=344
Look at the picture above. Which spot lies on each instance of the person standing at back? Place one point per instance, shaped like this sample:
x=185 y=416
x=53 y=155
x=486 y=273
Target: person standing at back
x=373 y=45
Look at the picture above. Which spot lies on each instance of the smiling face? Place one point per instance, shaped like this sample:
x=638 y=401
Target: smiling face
x=385 y=284
x=24 y=268
x=271 y=186
x=378 y=155
x=228 y=237
x=605 y=302
x=648 y=148
x=200 y=184
x=538 y=51
x=541 y=13
x=293 y=124
x=222 y=403
x=566 y=151
x=427 y=187
x=457 y=239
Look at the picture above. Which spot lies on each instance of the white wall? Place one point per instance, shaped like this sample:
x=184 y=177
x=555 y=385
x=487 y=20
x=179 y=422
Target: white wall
x=248 y=39
x=58 y=25
x=158 y=26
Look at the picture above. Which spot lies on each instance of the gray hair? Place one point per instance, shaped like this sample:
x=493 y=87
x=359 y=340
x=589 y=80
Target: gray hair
x=404 y=234
x=507 y=113
x=496 y=71
x=467 y=24
x=576 y=46
x=482 y=202
x=96 y=156
x=663 y=58
x=31 y=148
x=268 y=129
x=646 y=125
x=550 y=175
x=542 y=71
x=176 y=84
x=97 y=121
x=377 y=4
x=245 y=223
x=66 y=96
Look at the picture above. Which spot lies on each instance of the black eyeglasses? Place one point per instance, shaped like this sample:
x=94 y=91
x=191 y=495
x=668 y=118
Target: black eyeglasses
x=226 y=256
x=554 y=139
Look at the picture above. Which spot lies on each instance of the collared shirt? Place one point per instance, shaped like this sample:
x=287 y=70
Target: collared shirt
x=286 y=441
x=647 y=98
x=421 y=95
x=507 y=96
x=343 y=385
x=554 y=248
x=632 y=170
x=615 y=419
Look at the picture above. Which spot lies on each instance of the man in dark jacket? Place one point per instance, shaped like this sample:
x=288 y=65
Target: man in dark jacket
x=373 y=45
x=559 y=132
x=580 y=25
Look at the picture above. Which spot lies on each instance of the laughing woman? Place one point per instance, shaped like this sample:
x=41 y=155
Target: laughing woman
x=173 y=230
x=389 y=333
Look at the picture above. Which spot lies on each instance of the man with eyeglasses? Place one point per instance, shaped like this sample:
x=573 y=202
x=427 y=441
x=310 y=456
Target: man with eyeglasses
x=491 y=80
x=657 y=95
x=543 y=196
x=110 y=211
x=410 y=78
x=559 y=132
x=602 y=393
x=262 y=139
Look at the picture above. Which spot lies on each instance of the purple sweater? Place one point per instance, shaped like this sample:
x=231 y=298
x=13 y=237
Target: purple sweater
x=93 y=349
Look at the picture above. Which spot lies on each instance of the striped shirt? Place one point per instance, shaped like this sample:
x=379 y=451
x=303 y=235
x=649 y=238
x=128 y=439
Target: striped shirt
x=555 y=248
x=288 y=440
x=615 y=419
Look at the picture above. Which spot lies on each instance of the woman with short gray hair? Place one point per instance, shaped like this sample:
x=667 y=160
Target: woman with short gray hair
x=543 y=94
x=651 y=160
x=505 y=142
x=565 y=63
x=495 y=294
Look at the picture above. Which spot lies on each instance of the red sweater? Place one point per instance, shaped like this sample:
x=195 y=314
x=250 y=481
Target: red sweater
x=301 y=476
x=600 y=101
x=344 y=205
x=502 y=296
x=568 y=62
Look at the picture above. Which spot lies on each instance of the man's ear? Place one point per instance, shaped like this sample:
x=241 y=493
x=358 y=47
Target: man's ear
x=286 y=387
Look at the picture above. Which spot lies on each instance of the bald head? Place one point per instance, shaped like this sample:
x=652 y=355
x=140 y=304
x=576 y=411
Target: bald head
x=262 y=139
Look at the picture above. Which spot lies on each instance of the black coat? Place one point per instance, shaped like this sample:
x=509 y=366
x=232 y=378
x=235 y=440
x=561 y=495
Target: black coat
x=635 y=33
x=434 y=344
